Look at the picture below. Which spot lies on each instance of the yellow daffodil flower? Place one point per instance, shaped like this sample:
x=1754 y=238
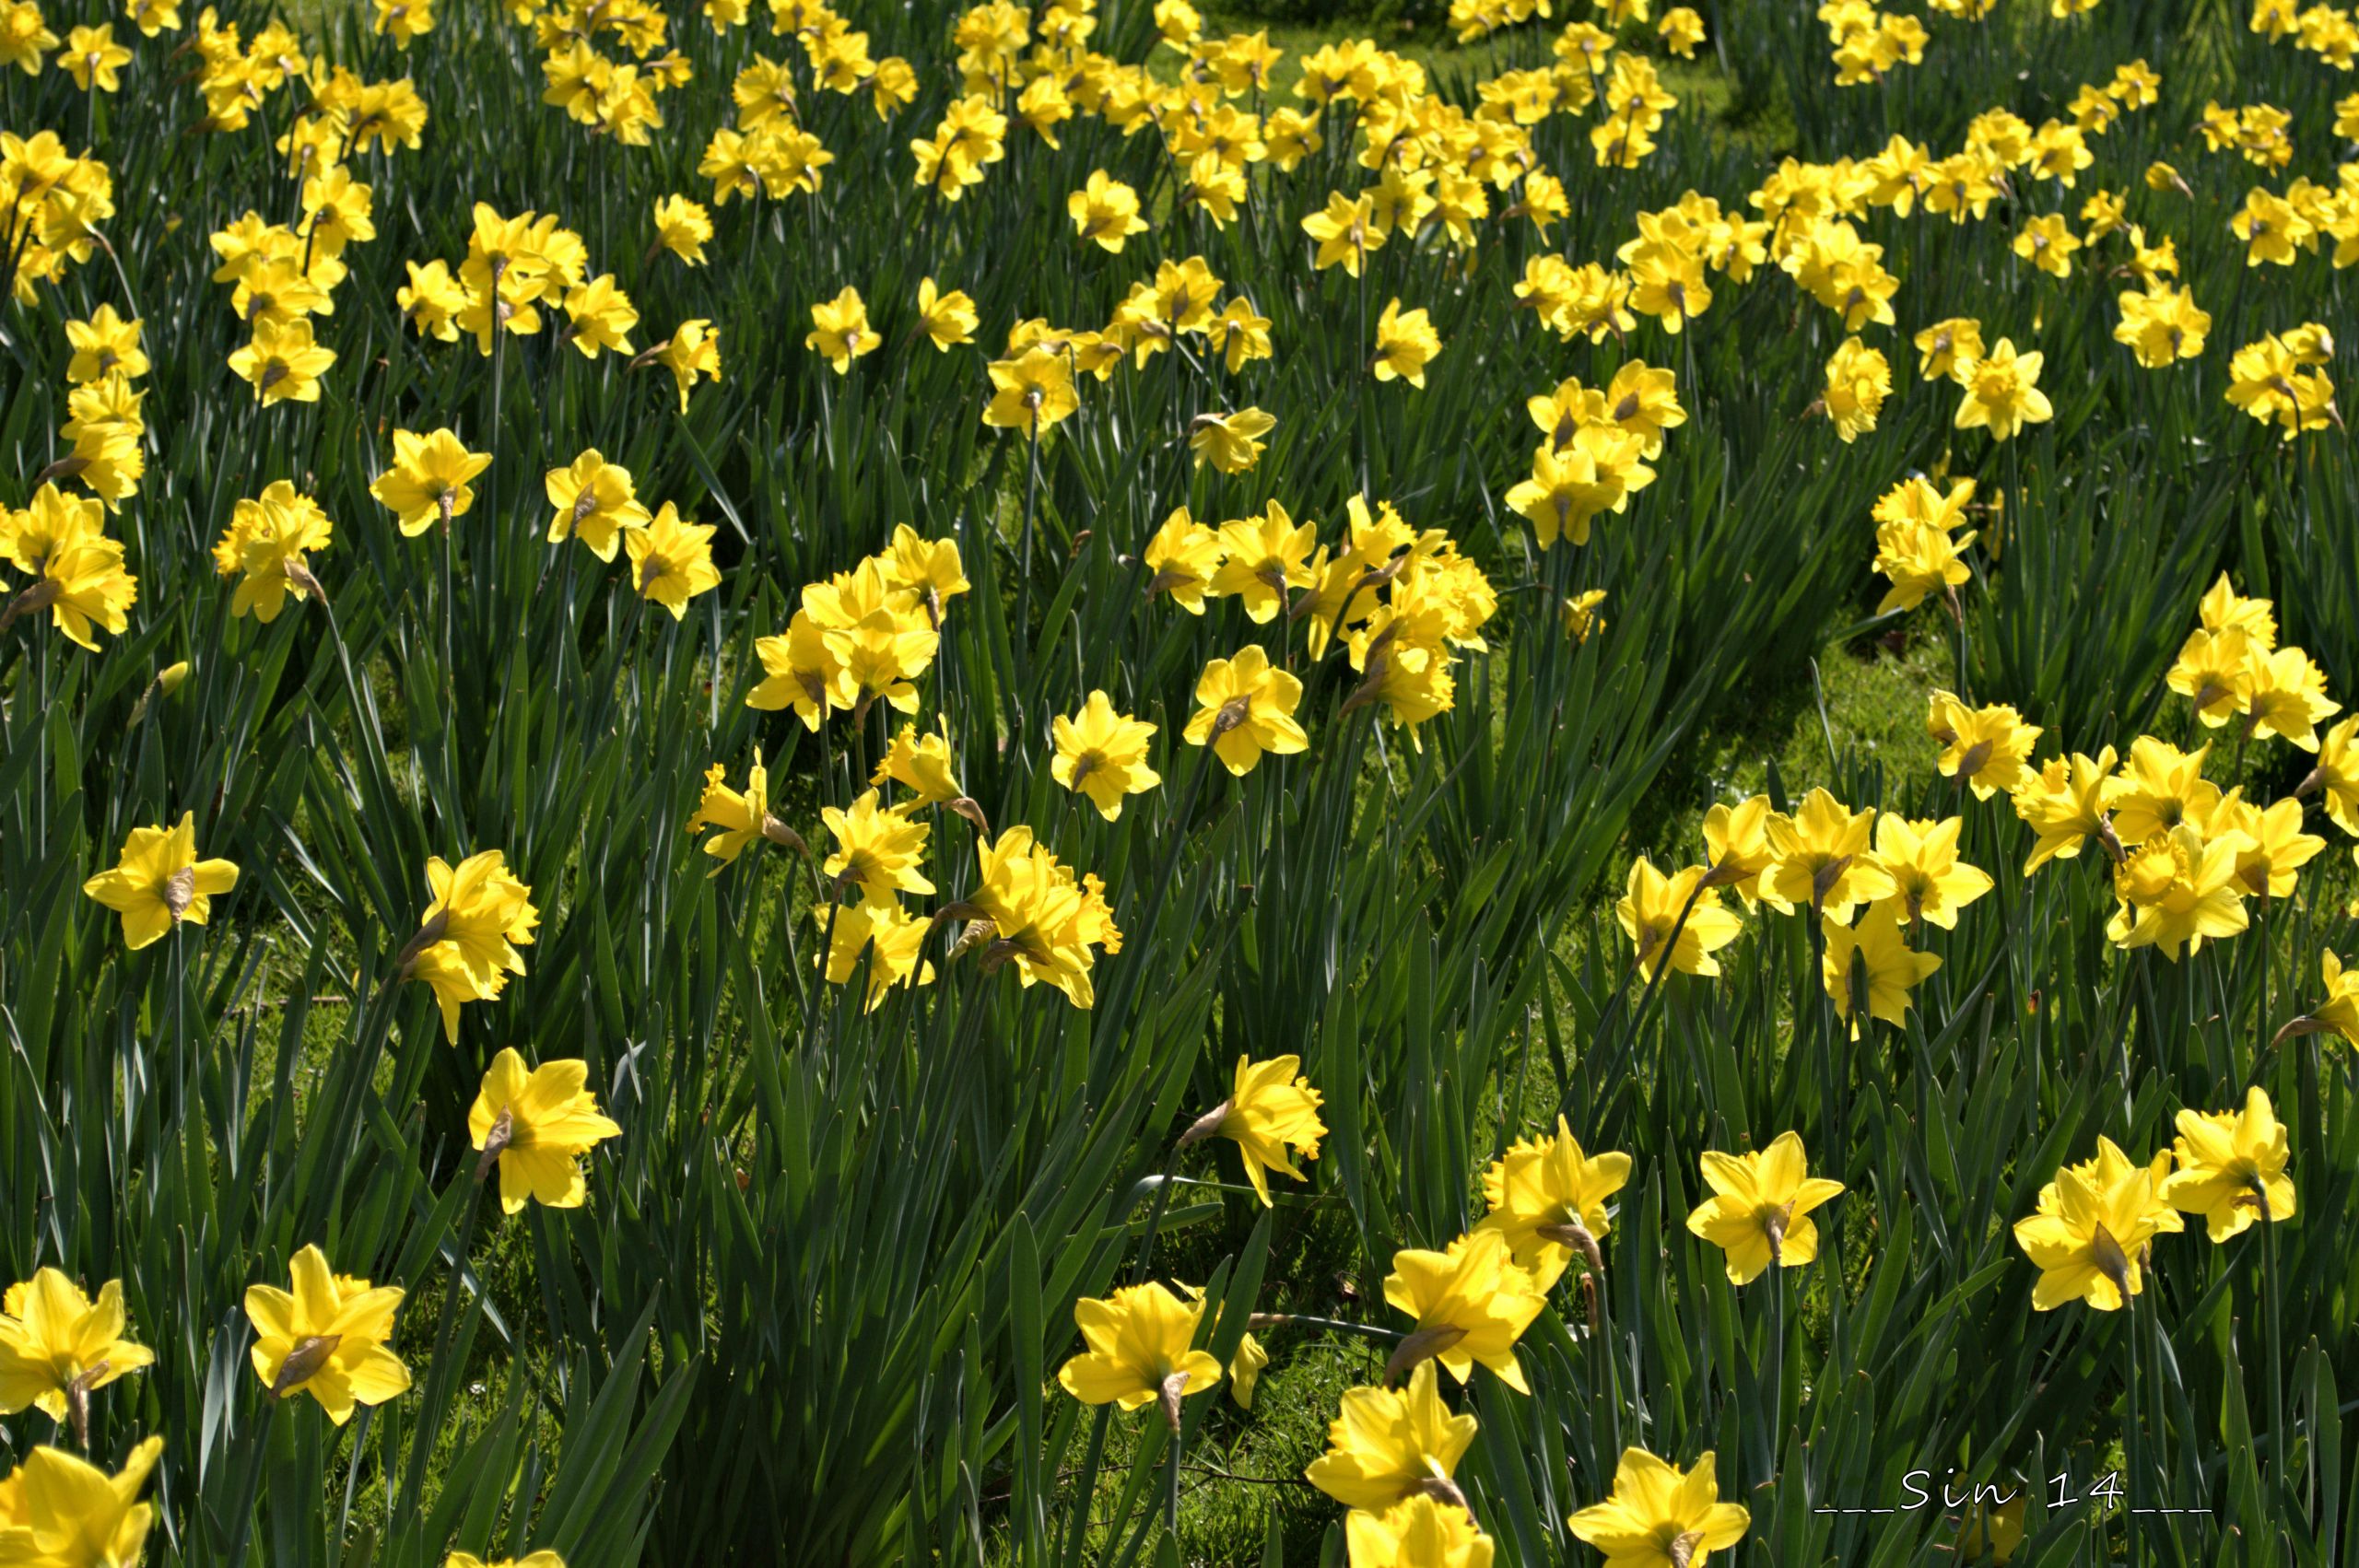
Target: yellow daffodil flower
x=158 y=882
x=1759 y=1210
x=537 y=1125
x=2090 y=1234
x=2231 y=1167
x=1662 y=1517
x=1271 y=1112
x=1470 y=1305
x=327 y=1338
x=1245 y=708
x=1138 y=1352
x=1102 y=753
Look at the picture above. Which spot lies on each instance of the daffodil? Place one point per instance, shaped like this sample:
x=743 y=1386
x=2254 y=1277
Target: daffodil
x=2275 y=848
x=427 y=481
x=1547 y=1197
x=2215 y=672
x=1405 y=343
x=327 y=1337
x=740 y=816
x=2339 y=1013
x=2162 y=325
x=670 y=560
x=1230 y=442
x=1245 y=1370
x=2231 y=1167
x=922 y=765
x=1039 y=916
x=2088 y=1238
x=1470 y=1302
x=1986 y=748
x=281 y=362
x=1919 y=558
x=1759 y=1210
x=681 y=227
x=158 y=882
x=801 y=671
x=1105 y=212
x=1580 y=615
x=103 y=345
x=840 y=330
x=1859 y=379
x=1869 y=969
x=57 y=1347
x=1245 y=708
x=598 y=317
x=1263 y=559
x=1419 y=1533
x=1031 y=392
x=2336 y=775
x=692 y=351
x=268 y=546
x=1947 y=347
x=1385 y=1446
x=2286 y=697
x=1825 y=861
x=2178 y=890
x=929 y=570
x=594 y=501
x=893 y=938
x=947 y=316
x=2048 y=243
x=1597 y=471
x=2158 y=789
x=1345 y=230
x=1737 y=850
x=2002 y=393
x=1930 y=883
x=1139 y=1352
x=1662 y=1517
x=1103 y=753
x=58 y=1509
x=2267 y=380
x=1272 y=1112
x=536 y=1126
x=1675 y=919
x=466 y=942
x=877 y=852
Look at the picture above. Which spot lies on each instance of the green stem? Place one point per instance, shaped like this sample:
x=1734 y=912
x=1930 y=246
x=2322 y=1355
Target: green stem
x=1171 y=1481
x=1777 y=1368
x=443 y=1370
x=2280 y=1449
x=2131 y=1416
x=251 y=1482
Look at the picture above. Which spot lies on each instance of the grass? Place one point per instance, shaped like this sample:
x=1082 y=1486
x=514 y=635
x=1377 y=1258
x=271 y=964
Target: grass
x=824 y=1281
